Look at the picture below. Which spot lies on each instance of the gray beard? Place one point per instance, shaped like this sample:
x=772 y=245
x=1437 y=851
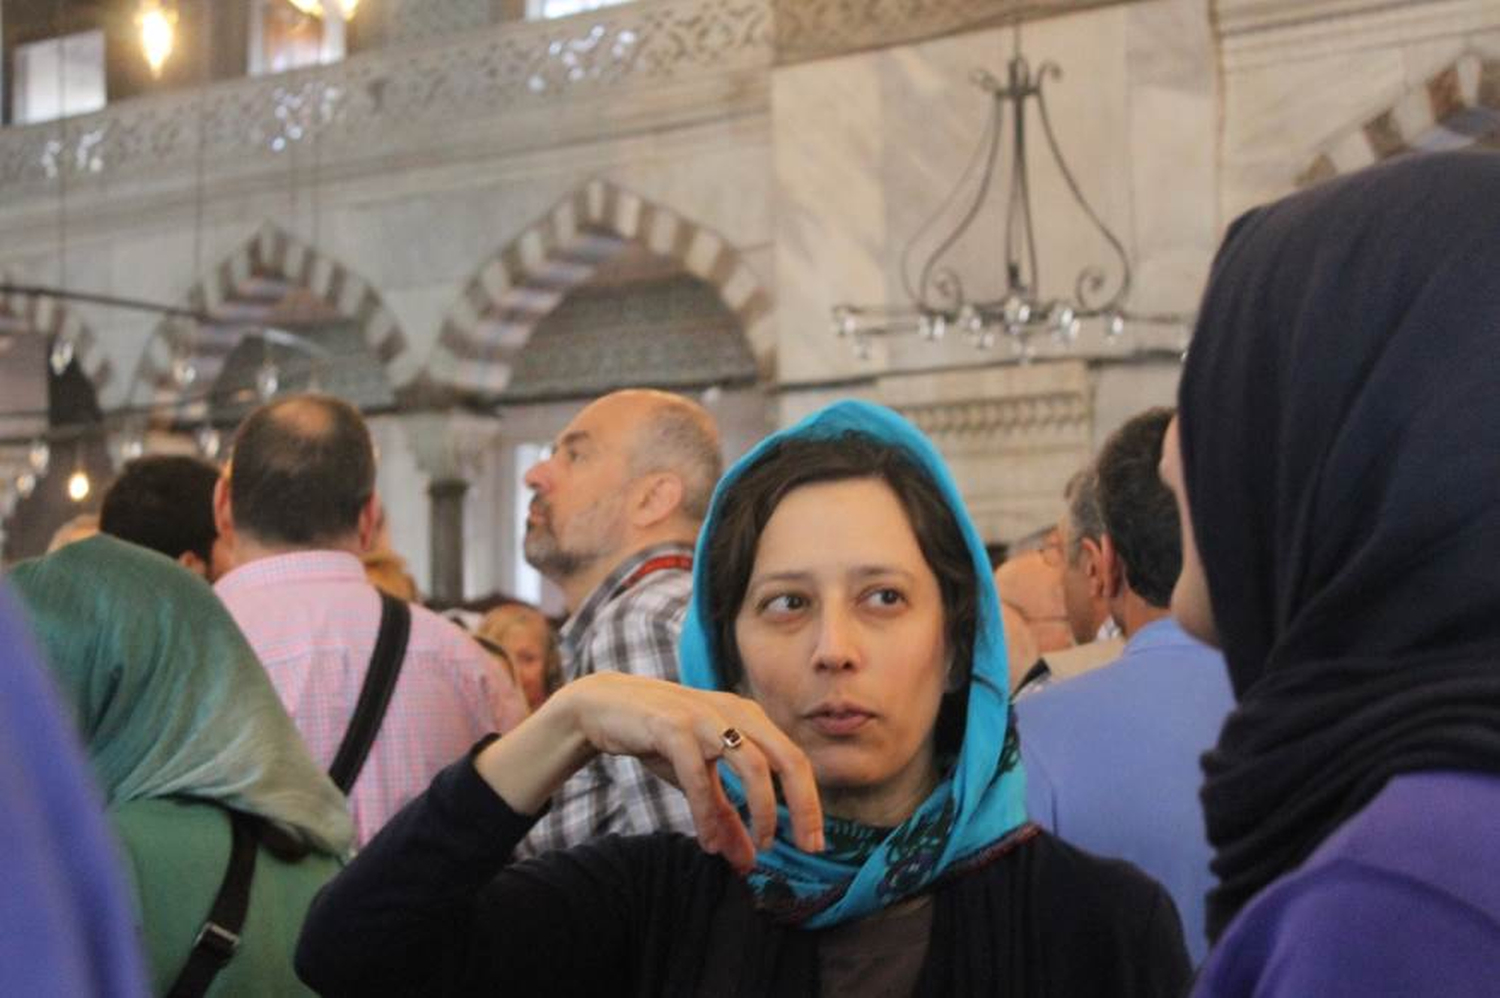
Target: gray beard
x=544 y=554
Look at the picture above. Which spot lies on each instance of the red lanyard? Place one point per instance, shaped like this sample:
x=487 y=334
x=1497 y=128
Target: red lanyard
x=660 y=563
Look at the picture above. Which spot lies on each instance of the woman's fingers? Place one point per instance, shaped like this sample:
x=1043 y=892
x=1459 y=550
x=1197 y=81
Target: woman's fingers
x=780 y=755
x=719 y=827
x=741 y=752
x=684 y=732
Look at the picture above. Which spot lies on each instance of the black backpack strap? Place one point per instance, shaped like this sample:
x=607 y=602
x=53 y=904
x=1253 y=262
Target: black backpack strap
x=375 y=695
x=220 y=935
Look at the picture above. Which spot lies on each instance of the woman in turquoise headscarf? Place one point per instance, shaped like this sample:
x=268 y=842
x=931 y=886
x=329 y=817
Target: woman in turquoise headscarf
x=842 y=735
x=182 y=727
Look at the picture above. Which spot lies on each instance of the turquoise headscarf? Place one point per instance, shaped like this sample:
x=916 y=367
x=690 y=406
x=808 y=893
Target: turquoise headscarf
x=169 y=697
x=977 y=803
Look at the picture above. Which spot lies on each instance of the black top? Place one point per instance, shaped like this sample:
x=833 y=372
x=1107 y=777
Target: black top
x=431 y=907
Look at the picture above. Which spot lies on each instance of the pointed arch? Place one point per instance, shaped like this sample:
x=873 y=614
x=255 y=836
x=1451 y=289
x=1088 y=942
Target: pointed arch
x=50 y=317
x=274 y=254
x=1438 y=114
x=514 y=289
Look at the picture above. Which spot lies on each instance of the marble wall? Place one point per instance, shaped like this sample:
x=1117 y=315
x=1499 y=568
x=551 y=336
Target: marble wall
x=444 y=150
x=1299 y=74
x=867 y=146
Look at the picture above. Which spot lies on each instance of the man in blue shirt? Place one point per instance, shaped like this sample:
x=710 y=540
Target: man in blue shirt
x=1112 y=755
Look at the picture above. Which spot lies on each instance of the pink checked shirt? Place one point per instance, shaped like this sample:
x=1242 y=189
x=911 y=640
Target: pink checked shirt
x=312 y=618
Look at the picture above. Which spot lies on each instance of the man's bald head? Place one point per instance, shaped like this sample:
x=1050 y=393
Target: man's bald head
x=302 y=469
x=633 y=469
x=676 y=435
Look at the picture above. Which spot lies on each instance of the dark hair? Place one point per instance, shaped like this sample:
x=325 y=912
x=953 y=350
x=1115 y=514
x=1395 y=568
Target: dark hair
x=1139 y=512
x=301 y=470
x=746 y=508
x=164 y=502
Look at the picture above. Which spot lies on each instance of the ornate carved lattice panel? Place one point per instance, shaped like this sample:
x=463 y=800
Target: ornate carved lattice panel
x=1012 y=436
x=650 y=43
x=814 y=29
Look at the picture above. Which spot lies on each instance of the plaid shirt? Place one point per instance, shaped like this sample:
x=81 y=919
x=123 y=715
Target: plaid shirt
x=631 y=629
x=312 y=618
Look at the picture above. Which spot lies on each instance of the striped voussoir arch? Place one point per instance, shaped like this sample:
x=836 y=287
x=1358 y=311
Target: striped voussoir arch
x=501 y=305
x=1454 y=108
x=50 y=317
x=236 y=295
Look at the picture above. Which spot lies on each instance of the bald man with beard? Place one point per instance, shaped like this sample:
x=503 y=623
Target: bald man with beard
x=615 y=511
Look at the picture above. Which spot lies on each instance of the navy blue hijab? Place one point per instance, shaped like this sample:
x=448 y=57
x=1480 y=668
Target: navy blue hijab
x=1340 y=427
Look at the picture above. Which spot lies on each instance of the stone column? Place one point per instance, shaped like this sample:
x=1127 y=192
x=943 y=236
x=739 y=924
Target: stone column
x=449 y=447
x=446 y=526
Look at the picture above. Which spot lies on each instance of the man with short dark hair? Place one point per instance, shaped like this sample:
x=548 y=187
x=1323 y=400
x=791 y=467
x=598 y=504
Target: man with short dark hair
x=615 y=510
x=299 y=498
x=1112 y=755
x=165 y=502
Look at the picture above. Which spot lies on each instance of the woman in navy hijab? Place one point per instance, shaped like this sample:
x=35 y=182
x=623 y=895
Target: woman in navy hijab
x=1337 y=461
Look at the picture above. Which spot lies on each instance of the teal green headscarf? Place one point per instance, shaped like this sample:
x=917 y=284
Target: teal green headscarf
x=168 y=695
x=977 y=803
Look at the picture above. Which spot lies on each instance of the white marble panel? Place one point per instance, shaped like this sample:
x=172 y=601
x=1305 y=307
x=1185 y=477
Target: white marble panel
x=1121 y=392
x=1307 y=87
x=831 y=236
x=419 y=312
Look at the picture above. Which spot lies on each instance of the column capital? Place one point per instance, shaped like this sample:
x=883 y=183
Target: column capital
x=450 y=445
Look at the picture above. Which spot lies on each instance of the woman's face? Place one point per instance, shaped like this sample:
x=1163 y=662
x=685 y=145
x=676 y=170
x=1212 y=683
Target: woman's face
x=1190 y=603
x=526 y=647
x=842 y=637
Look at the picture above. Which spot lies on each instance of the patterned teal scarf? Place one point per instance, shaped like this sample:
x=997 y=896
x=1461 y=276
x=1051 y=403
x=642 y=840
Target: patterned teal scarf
x=980 y=797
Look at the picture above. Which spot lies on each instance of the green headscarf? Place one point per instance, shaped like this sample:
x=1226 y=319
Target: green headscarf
x=169 y=697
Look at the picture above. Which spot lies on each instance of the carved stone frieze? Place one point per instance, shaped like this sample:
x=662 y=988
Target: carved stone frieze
x=815 y=29
x=368 y=96
x=980 y=424
x=1012 y=436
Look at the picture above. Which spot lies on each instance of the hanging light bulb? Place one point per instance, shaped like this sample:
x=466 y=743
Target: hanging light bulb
x=971 y=322
x=158 y=29
x=1062 y=320
x=347 y=8
x=267 y=380
x=844 y=322
x=78 y=485
x=40 y=456
x=1016 y=311
x=312 y=8
x=62 y=354
x=208 y=441
x=183 y=371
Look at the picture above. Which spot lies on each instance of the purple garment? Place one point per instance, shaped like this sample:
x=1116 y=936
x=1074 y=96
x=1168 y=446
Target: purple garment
x=1403 y=899
x=1112 y=761
x=65 y=925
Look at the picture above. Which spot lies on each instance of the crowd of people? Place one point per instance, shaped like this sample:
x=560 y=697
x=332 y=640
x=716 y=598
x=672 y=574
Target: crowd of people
x=1231 y=727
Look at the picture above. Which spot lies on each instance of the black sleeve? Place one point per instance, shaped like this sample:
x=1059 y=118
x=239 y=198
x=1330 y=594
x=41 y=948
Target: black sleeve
x=1165 y=969
x=1103 y=927
x=430 y=906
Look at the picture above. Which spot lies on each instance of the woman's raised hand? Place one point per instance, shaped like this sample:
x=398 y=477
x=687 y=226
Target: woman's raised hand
x=681 y=734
